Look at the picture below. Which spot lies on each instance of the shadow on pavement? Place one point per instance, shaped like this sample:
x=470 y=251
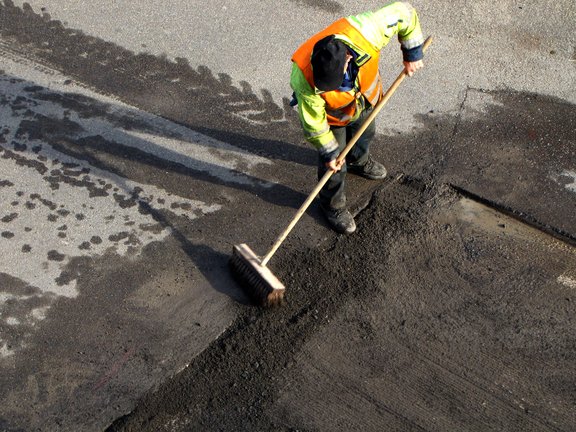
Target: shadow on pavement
x=174 y=90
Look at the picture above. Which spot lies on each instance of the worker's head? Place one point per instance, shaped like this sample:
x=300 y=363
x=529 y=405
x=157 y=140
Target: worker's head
x=329 y=60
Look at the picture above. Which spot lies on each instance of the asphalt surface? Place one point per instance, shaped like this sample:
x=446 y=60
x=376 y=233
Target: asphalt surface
x=139 y=143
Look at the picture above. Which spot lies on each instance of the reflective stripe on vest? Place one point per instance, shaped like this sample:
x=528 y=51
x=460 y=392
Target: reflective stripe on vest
x=341 y=106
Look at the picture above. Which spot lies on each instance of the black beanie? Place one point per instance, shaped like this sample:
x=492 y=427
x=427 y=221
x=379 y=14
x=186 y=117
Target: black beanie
x=328 y=60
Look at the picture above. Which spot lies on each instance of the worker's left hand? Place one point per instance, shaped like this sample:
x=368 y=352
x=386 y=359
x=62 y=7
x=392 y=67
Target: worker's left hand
x=411 y=67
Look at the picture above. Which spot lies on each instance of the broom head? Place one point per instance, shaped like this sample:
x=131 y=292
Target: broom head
x=257 y=280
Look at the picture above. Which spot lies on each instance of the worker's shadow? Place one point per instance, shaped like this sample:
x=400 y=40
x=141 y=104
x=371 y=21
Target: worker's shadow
x=175 y=92
x=105 y=148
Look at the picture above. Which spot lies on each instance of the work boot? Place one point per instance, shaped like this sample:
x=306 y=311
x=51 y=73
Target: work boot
x=371 y=169
x=341 y=220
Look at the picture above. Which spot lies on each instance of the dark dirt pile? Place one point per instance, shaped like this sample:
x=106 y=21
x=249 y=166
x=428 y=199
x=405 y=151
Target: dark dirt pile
x=437 y=314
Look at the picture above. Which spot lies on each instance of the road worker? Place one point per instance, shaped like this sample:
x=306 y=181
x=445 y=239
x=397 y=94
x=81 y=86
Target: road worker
x=336 y=83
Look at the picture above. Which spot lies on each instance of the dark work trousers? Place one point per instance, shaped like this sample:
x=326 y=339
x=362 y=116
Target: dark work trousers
x=333 y=194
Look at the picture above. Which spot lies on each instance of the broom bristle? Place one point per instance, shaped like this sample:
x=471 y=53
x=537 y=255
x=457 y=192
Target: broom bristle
x=257 y=280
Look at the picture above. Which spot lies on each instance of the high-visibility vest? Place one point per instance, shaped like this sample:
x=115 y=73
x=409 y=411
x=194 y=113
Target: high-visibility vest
x=341 y=105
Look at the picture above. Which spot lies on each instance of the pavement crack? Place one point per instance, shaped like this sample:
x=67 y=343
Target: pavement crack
x=459 y=115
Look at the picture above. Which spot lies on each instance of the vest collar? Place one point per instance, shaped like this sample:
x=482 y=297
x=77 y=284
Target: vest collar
x=362 y=56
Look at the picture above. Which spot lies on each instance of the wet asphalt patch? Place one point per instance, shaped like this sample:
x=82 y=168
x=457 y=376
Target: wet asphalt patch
x=438 y=311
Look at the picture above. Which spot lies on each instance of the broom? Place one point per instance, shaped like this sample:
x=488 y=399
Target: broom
x=251 y=271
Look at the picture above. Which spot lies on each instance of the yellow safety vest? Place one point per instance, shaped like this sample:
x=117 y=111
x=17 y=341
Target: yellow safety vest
x=341 y=105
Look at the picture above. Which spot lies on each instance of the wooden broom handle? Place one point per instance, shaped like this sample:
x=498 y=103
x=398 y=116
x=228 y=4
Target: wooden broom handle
x=341 y=157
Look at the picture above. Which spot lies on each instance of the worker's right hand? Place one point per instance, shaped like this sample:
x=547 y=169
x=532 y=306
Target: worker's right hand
x=334 y=165
x=411 y=67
